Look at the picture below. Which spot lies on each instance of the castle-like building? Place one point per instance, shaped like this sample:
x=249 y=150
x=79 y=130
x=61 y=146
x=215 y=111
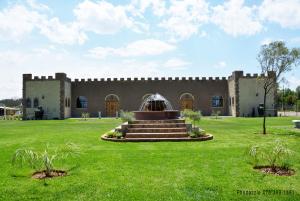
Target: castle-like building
x=59 y=97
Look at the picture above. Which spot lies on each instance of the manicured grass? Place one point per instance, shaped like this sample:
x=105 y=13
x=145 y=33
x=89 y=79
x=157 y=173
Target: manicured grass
x=210 y=170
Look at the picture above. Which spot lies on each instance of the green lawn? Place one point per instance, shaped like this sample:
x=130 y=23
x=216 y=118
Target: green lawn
x=210 y=170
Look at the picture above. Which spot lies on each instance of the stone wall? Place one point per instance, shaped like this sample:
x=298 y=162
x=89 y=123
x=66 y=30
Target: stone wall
x=131 y=91
x=240 y=94
x=47 y=92
x=50 y=93
x=67 y=97
x=252 y=94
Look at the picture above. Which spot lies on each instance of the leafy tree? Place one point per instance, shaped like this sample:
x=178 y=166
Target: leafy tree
x=194 y=116
x=11 y=102
x=275 y=59
x=298 y=92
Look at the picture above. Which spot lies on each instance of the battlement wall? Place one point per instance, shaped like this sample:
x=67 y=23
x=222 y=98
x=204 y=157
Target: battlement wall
x=58 y=76
x=149 y=79
x=240 y=74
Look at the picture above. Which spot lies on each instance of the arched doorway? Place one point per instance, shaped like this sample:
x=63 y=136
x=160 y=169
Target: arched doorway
x=112 y=105
x=186 y=101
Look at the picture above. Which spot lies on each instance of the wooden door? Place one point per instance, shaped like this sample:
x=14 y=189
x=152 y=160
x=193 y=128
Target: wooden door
x=111 y=108
x=186 y=104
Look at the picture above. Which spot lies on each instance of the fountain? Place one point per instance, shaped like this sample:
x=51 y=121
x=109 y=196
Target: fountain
x=156 y=107
x=156 y=120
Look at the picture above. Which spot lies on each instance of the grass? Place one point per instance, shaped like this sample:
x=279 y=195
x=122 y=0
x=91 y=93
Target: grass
x=211 y=170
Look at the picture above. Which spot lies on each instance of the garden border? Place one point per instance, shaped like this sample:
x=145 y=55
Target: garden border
x=202 y=138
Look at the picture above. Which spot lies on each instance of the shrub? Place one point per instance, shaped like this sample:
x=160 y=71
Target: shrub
x=119 y=135
x=216 y=114
x=126 y=116
x=194 y=116
x=44 y=160
x=114 y=134
x=197 y=133
x=85 y=115
x=111 y=134
x=271 y=154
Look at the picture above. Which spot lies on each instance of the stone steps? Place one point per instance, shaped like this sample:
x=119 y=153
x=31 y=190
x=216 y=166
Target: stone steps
x=166 y=125
x=156 y=130
x=157 y=135
x=158 y=121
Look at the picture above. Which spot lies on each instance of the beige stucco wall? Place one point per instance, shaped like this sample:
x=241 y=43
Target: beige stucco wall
x=231 y=93
x=67 y=95
x=251 y=94
x=50 y=90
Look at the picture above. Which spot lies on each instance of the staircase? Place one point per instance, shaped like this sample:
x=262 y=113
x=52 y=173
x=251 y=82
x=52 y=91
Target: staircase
x=156 y=130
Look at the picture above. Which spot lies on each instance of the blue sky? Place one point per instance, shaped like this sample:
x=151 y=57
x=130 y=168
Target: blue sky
x=140 y=38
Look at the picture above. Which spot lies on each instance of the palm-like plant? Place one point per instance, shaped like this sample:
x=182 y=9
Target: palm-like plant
x=44 y=161
x=275 y=154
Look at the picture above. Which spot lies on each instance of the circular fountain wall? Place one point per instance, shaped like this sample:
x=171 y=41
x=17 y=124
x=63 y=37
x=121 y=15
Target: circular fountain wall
x=156 y=107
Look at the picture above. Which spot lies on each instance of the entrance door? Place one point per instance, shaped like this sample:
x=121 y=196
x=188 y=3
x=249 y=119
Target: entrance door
x=186 y=101
x=111 y=108
x=186 y=104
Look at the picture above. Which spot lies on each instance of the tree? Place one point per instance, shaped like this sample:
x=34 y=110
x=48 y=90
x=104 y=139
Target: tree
x=298 y=92
x=275 y=59
x=194 y=116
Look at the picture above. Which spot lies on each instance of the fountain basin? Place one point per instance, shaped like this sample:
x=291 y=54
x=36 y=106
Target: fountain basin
x=156 y=115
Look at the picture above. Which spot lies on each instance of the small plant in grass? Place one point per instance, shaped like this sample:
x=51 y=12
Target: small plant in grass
x=43 y=161
x=126 y=116
x=119 y=135
x=275 y=155
x=194 y=116
x=197 y=133
x=216 y=114
x=85 y=116
x=111 y=134
x=114 y=134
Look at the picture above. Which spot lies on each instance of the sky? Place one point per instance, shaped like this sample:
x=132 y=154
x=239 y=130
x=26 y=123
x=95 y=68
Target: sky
x=140 y=38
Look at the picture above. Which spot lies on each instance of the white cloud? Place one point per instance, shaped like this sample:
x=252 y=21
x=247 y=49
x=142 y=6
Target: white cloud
x=236 y=19
x=293 y=82
x=284 y=12
x=137 y=48
x=176 y=64
x=138 y=7
x=220 y=65
x=58 y=32
x=295 y=40
x=184 y=18
x=37 y=6
x=48 y=60
x=104 y=18
x=16 y=22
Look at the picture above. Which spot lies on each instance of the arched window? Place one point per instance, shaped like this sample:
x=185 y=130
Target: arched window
x=35 y=102
x=69 y=102
x=186 y=101
x=217 y=101
x=28 y=102
x=66 y=102
x=82 y=102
